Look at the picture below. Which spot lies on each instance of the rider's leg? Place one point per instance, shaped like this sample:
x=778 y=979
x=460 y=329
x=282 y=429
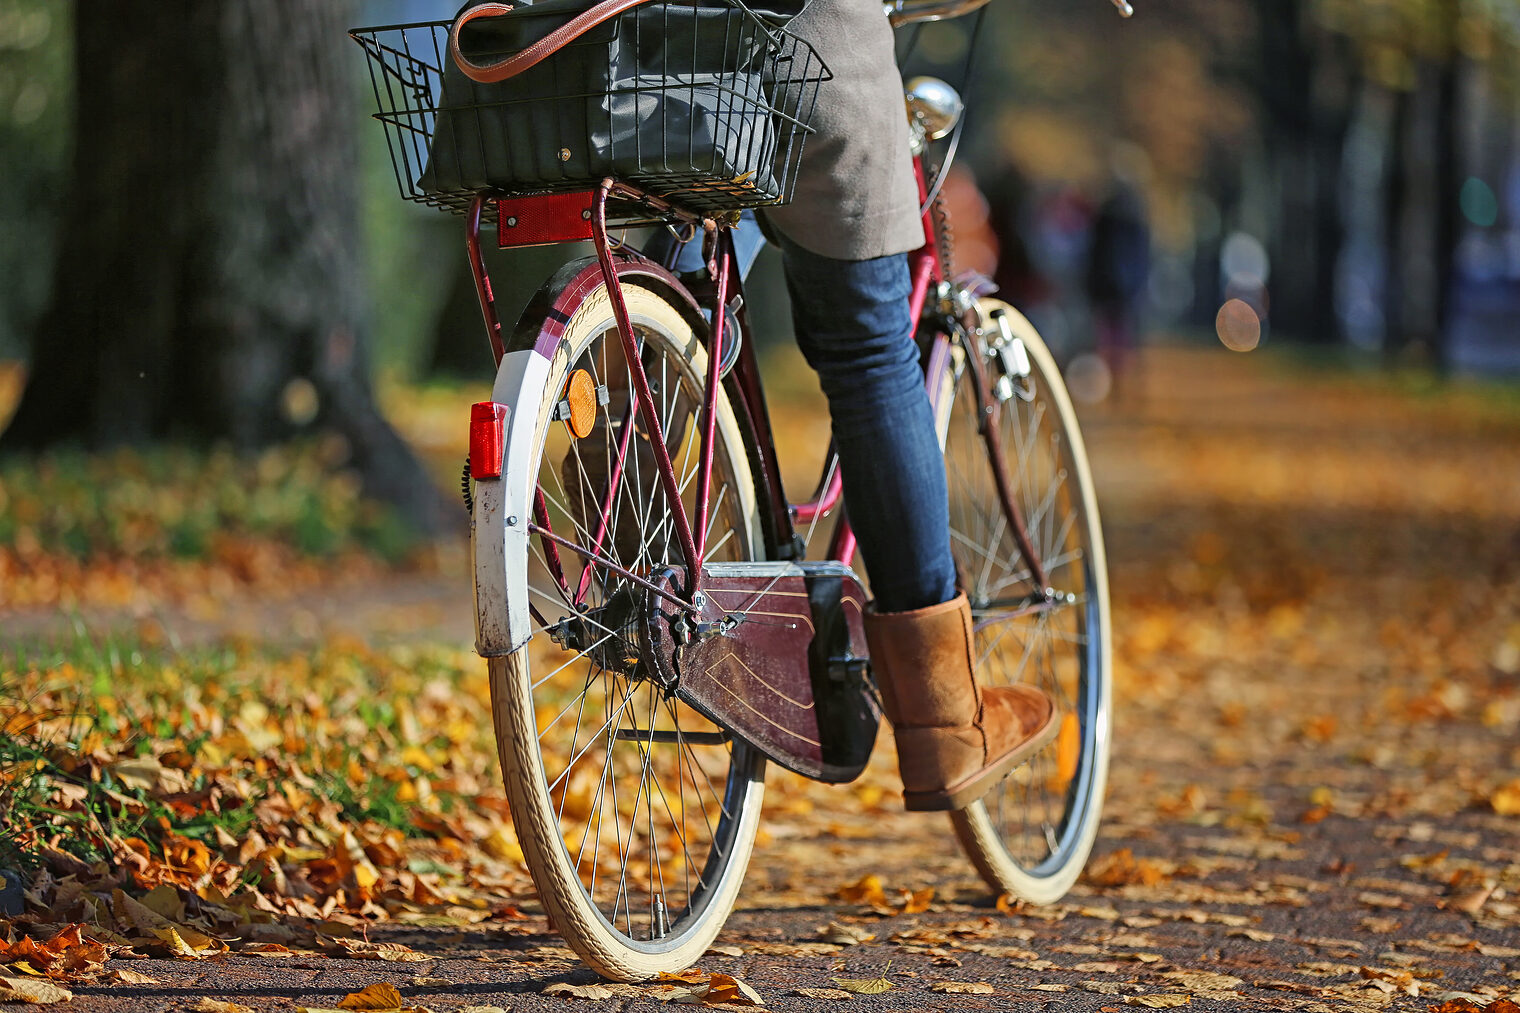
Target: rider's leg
x=954 y=739
x=851 y=318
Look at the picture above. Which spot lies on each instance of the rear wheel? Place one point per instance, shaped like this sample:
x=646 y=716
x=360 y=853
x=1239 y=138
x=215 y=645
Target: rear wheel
x=1031 y=836
x=636 y=816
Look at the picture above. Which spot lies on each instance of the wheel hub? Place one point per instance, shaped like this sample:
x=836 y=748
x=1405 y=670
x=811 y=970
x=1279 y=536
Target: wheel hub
x=608 y=635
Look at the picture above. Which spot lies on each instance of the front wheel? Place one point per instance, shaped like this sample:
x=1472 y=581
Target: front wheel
x=636 y=816
x=1031 y=836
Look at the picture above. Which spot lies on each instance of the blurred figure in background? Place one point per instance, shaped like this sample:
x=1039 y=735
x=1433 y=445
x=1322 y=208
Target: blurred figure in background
x=1119 y=265
x=1019 y=279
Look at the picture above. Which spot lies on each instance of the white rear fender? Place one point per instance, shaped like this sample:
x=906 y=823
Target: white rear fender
x=504 y=506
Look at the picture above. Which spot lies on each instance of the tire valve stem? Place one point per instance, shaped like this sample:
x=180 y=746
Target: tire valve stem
x=659 y=921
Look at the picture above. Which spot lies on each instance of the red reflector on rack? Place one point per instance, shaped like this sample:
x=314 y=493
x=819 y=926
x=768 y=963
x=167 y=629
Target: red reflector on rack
x=488 y=425
x=548 y=218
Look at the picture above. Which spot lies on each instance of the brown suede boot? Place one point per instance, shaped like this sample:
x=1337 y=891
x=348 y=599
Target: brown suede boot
x=955 y=741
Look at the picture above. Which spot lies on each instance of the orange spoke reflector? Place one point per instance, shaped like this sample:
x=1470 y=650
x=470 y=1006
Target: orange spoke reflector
x=580 y=394
x=1068 y=748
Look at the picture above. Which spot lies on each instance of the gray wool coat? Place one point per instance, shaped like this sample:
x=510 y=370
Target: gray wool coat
x=855 y=196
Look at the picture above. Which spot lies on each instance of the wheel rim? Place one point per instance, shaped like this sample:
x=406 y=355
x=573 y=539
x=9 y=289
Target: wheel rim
x=1041 y=816
x=650 y=809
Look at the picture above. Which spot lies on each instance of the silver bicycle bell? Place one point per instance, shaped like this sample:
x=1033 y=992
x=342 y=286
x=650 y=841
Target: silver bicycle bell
x=935 y=105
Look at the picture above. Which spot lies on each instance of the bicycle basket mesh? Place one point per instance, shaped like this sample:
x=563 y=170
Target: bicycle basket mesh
x=706 y=106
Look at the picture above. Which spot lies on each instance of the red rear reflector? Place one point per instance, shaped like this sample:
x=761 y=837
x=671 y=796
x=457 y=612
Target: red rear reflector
x=488 y=423
x=546 y=218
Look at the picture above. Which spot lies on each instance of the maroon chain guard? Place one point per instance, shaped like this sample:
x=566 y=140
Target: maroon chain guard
x=787 y=673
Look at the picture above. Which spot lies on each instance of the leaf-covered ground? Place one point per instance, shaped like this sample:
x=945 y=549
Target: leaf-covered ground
x=1315 y=799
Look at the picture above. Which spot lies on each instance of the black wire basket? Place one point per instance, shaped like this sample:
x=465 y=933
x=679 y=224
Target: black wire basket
x=705 y=105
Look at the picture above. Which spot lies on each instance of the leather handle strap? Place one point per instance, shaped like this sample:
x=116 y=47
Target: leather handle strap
x=520 y=61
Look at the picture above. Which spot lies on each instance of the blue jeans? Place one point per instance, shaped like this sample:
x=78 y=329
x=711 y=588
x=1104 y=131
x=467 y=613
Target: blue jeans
x=852 y=323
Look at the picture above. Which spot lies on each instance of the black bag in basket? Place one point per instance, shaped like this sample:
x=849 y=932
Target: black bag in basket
x=673 y=97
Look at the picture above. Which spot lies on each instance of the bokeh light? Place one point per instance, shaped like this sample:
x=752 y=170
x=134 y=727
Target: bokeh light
x=1238 y=325
x=1088 y=378
x=1479 y=202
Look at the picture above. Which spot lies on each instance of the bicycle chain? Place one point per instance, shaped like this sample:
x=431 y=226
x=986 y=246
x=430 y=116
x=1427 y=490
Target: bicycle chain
x=464 y=488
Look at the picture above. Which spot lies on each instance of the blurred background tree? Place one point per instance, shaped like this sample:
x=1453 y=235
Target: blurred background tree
x=210 y=281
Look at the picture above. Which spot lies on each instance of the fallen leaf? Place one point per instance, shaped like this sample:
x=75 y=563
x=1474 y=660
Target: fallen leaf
x=271 y=950
x=1494 y=950
x=867 y=986
x=430 y=982
x=866 y=890
x=569 y=991
x=1255 y=935
x=1160 y=1000
x=1102 y=914
x=726 y=989
x=1471 y=901
x=727 y=951
x=32 y=991
x=1122 y=868
x=358 y=949
x=209 y=1005
x=1379 y=926
x=1204 y=981
x=379 y=996
x=1403 y=981
x=918 y=901
x=1506 y=799
x=187 y=943
x=963 y=987
x=844 y=935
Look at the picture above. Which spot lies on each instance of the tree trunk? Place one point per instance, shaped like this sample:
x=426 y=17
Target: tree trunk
x=1304 y=87
x=1449 y=142
x=210 y=265
x=1396 y=193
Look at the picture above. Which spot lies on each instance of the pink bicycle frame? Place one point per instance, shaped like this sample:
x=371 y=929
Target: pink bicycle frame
x=572 y=217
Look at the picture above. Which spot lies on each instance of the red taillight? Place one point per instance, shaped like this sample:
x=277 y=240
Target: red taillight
x=487 y=438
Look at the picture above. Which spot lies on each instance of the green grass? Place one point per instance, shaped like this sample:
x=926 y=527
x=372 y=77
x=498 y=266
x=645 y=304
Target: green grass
x=240 y=723
x=173 y=502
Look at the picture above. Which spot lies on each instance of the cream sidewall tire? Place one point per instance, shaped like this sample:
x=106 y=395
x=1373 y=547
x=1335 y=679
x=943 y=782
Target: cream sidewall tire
x=973 y=825
x=565 y=900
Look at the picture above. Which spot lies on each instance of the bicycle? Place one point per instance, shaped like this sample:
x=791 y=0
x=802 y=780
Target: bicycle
x=654 y=629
